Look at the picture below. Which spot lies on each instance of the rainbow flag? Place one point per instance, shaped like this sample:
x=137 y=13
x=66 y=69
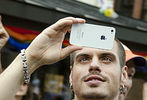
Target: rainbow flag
x=20 y=38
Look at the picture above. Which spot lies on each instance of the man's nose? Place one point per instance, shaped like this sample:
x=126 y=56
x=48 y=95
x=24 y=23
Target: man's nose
x=94 y=66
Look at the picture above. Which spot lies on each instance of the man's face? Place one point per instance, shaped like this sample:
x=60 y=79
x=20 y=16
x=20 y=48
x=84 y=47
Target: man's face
x=96 y=73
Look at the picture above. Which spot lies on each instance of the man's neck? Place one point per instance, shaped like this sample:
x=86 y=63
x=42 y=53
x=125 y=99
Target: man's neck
x=18 y=98
x=115 y=98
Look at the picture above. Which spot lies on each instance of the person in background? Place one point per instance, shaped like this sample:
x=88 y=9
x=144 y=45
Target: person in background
x=24 y=93
x=132 y=62
x=3 y=39
x=4 y=36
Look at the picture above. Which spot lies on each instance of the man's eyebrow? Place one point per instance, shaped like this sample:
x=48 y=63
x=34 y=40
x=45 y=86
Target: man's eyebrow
x=82 y=55
x=108 y=54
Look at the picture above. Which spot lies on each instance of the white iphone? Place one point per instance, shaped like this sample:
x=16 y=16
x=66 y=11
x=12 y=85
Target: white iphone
x=95 y=36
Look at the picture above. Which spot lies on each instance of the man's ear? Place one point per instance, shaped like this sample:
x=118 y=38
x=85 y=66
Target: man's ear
x=124 y=74
x=70 y=76
x=124 y=78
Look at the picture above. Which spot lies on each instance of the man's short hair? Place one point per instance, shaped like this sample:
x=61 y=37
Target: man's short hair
x=121 y=53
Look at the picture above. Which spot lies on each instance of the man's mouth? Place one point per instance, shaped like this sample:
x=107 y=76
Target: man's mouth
x=94 y=80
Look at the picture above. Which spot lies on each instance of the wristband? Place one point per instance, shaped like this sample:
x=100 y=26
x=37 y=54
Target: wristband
x=25 y=69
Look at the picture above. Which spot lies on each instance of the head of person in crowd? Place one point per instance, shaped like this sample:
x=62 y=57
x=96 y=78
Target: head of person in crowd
x=132 y=62
x=21 y=92
x=97 y=74
x=24 y=93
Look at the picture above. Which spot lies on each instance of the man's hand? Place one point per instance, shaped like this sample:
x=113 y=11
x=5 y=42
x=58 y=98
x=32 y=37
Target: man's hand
x=47 y=47
x=3 y=35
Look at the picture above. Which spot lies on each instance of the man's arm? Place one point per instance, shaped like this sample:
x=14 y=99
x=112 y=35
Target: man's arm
x=46 y=48
x=3 y=39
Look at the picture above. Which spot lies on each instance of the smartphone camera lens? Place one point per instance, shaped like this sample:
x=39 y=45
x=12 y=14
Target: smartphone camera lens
x=111 y=30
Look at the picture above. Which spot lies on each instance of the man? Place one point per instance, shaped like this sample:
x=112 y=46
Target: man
x=132 y=62
x=96 y=74
x=3 y=39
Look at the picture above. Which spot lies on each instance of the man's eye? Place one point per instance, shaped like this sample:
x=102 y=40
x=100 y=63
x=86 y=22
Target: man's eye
x=106 y=59
x=83 y=59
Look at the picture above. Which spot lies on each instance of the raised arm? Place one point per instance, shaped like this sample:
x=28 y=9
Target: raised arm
x=3 y=39
x=46 y=48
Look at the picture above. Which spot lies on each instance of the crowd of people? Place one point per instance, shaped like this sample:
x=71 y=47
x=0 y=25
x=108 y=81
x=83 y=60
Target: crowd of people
x=96 y=74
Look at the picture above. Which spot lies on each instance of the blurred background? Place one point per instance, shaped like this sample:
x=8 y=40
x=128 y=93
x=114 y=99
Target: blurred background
x=25 y=19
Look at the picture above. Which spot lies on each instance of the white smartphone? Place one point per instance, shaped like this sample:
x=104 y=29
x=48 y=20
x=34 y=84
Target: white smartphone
x=95 y=36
